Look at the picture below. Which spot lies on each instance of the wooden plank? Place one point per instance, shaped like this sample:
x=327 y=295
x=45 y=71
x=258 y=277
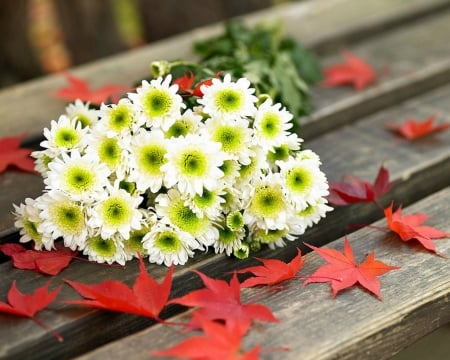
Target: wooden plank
x=354 y=324
x=356 y=149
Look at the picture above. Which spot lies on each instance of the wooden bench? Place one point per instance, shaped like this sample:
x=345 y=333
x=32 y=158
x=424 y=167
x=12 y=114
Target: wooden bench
x=347 y=131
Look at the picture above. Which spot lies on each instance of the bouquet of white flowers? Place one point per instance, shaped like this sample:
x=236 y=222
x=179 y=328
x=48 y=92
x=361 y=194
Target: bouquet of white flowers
x=163 y=173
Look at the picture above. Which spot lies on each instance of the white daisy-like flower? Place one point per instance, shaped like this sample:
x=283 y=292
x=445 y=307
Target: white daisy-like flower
x=235 y=135
x=117 y=212
x=247 y=173
x=159 y=102
x=272 y=237
x=134 y=246
x=105 y=250
x=267 y=206
x=148 y=155
x=233 y=199
x=119 y=119
x=207 y=204
x=28 y=220
x=166 y=245
x=228 y=99
x=272 y=124
x=314 y=212
x=82 y=113
x=81 y=177
x=283 y=151
x=172 y=209
x=61 y=217
x=42 y=159
x=188 y=123
x=230 y=169
x=193 y=164
x=229 y=241
x=303 y=182
x=64 y=135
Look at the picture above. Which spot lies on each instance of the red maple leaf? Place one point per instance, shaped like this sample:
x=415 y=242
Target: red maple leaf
x=272 y=271
x=12 y=155
x=218 y=343
x=79 y=89
x=146 y=298
x=27 y=305
x=409 y=227
x=354 y=71
x=46 y=262
x=185 y=83
x=342 y=271
x=357 y=190
x=220 y=300
x=412 y=129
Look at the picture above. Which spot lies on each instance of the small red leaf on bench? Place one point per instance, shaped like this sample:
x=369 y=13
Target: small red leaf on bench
x=409 y=227
x=12 y=155
x=27 y=305
x=354 y=71
x=412 y=129
x=342 y=271
x=357 y=190
x=273 y=271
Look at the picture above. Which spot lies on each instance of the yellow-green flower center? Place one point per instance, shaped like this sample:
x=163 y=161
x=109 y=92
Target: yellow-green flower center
x=151 y=158
x=120 y=118
x=178 y=128
x=79 y=180
x=157 y=103
x=279 y=153
x=267 y=201
x=109 y=152
x=299 y=180
x=270 y=125
x=66 y=137
x=229 y=136
x=228 y=100
x=67 y=217
x=193 y=163
x=185 y=219
x=105 y=248
x=168 y=241
x=116 y=212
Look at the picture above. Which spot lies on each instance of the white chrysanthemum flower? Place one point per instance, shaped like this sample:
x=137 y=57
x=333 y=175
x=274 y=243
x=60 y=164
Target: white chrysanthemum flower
x=193 y=164
x=229 y=241
x=105 y=250
x=117 y=212
x=82 y=113
x=42 y=159
x=61 y=217
x=268 y=207
x=314 y=212
x=234 y=135
x=148 y=155
x=228 y=99
x=81 y=177
x=172 y=209
x=230 y=169
x=233 y=199
x=303 y=182
x=159 y=102
x=188 y=123
x=134 y=246
x=119 y=120
x=64 y=135
x=283 y=151
x=166 y=245
x=28 y=220
x=271 y=237
x=207 y=204
x=254 y=170
x=272 y=124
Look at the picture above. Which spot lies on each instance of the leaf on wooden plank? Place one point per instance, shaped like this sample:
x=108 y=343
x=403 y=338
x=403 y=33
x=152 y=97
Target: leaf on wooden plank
x=412 y=129
x=13 y=156
x=342 y=271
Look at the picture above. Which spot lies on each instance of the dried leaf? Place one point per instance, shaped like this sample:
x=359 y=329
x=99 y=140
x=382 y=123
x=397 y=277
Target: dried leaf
x=412 y=129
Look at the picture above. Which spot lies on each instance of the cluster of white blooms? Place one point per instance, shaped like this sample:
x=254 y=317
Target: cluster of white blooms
x=154 y=177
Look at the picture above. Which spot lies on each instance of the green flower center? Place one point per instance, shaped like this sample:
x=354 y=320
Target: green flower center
x=242 y=252
x=206 y=199
x=185 y=219
x=299 y=180
x=66 y=137
x=270 y=125
x=178 y=128
x=134 y=243
x=227 y=167
x=129 y=187
x=67 y=217
x=193 y=163
x=226 y=235
x=271 y=235
x=31 y=230
x=229 y=137
x=116 y=211
x=268 y=201
x=105 y=248
x=157 y=103
x=79 y=179
x=168 y=241
x=307 y=211
x=120 y=118
x=151 y=158
x=228 y=100
x=246 y=170
x=279 y=153
x=84 y=120
x=235 y=220
x=109 y=152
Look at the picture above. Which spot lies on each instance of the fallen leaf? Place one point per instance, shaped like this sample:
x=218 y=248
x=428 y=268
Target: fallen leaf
x=185 y=83
x=354 y=71
x=412 y=129
x=79 y=89
x=46 y=262
x=220 y=300
x=409 y=227
x=343 y=272
x=218 y=342
x=146 y=298
x=272 y=271
x=357 y=190
x=27 y=305
x=12 y=155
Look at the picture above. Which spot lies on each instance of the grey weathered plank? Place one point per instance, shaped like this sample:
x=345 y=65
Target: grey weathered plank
x=357 y=149
x=355 y=324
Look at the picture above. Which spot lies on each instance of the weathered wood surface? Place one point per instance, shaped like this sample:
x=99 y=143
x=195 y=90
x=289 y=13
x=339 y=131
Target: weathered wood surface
x=422 y=167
